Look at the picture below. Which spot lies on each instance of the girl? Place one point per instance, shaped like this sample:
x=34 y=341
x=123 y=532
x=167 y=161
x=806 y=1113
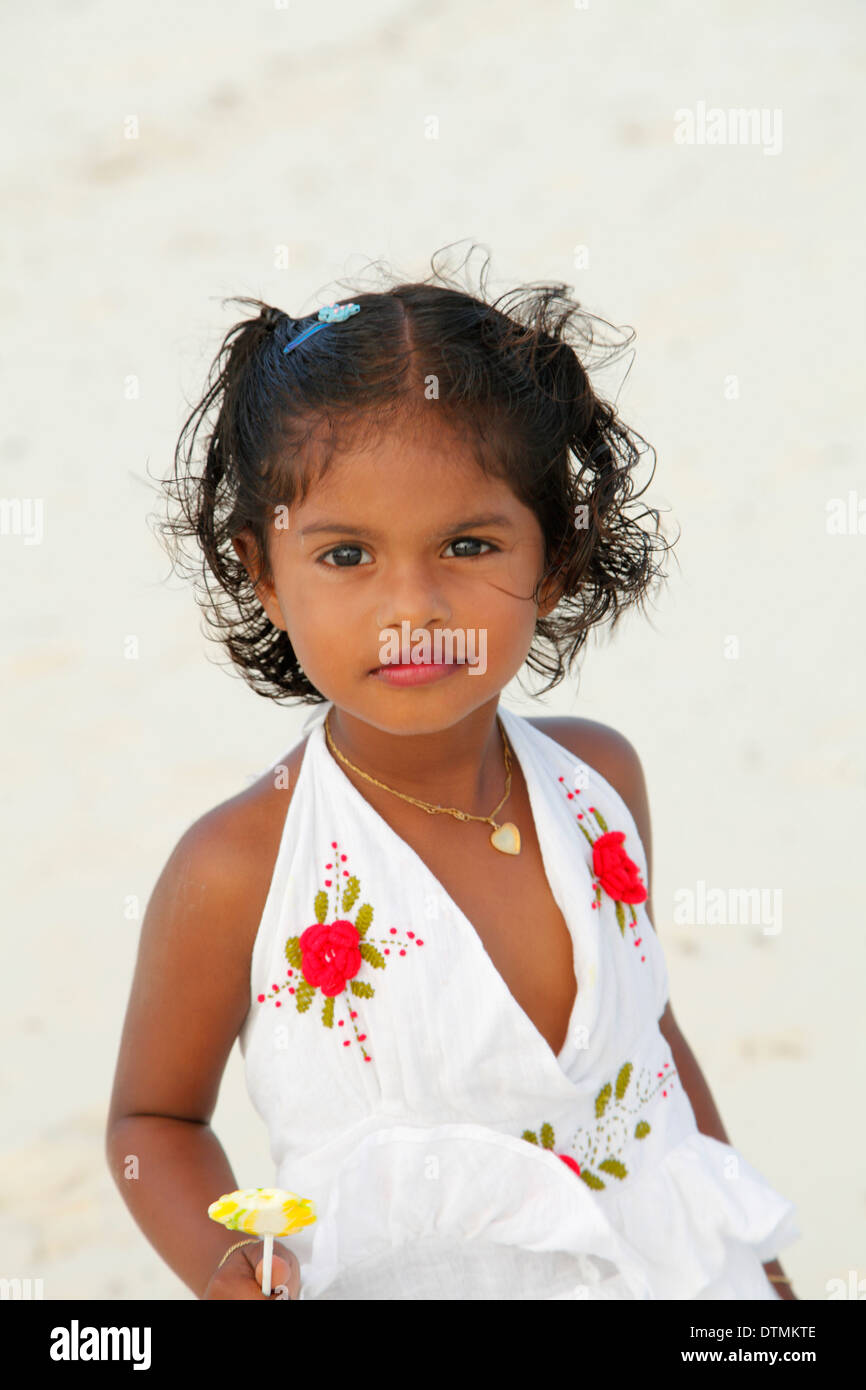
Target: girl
x=429 y=922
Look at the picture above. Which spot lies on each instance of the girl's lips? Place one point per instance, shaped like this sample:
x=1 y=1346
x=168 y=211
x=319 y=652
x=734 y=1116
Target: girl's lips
x=420 y=673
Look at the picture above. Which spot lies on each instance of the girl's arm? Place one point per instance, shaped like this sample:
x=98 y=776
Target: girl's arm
x=617 y=761
x=189 y=998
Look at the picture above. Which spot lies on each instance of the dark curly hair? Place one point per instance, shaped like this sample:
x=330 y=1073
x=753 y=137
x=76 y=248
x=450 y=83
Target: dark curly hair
x=510 y=381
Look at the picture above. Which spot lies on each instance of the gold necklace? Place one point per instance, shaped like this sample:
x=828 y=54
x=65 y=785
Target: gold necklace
x=505 y=837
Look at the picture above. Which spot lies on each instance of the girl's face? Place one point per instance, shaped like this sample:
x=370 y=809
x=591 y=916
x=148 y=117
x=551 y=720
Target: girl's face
x=394 y=545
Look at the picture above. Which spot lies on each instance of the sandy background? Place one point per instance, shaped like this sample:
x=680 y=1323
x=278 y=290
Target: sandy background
x=304 y=127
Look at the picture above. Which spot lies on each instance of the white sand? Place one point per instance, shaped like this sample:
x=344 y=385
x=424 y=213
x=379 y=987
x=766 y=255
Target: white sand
x=260 y=128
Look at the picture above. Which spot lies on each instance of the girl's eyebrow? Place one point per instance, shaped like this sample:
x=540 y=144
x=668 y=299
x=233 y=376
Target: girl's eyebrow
x=467 y=524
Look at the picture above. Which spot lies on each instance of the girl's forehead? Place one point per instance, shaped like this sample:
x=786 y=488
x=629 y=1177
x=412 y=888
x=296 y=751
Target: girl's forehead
x=427 y=473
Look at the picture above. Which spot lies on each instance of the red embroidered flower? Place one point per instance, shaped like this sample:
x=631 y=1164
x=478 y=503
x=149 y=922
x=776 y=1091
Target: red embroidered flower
x=331 y=955
x=619 y=876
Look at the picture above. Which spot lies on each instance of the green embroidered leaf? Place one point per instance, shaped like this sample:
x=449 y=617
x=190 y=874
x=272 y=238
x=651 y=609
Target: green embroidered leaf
x=602 y=1099
x=371 y=955
x=546 y=1133
x=293 y=952
x=622 y=1080
x=641 y=1129
x=529 y=1136
x=600 y=818
x=590 y=1179
x=620 y=917
x=320 y=905
x=363 y=919
x=584 y=831
x=304 y=996
x=362 y=989
x=350 y=892
x=614 y=1167
x=328 y=1013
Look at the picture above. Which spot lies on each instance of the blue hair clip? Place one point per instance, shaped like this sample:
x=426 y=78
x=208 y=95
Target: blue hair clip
x=332 y=313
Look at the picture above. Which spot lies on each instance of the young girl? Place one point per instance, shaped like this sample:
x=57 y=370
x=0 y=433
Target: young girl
x=429 y=923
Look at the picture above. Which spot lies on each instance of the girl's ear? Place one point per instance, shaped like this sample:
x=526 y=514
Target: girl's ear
x=551 y=593
x=247 y=551
x=549 y=598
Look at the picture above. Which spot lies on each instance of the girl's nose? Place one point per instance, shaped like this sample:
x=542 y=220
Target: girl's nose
x=416 y=600
x=416 y=619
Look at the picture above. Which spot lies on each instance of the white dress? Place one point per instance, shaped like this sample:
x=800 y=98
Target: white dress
x=449 y=1153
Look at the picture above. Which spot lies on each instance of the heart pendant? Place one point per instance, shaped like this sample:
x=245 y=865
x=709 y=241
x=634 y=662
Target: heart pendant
x=506 y=838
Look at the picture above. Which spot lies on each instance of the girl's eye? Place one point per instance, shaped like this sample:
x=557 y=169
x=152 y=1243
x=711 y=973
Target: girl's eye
x=344 y=553
x=344 y=550
x=471 y=540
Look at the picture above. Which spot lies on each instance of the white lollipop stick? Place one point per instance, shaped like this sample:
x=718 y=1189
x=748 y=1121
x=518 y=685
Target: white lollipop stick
x=266 y=1272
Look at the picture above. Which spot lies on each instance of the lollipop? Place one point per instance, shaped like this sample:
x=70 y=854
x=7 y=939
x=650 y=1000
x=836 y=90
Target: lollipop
x=263 y=1211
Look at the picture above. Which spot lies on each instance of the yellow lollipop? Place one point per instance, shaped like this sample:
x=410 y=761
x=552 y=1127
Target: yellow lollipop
x=263 y=1211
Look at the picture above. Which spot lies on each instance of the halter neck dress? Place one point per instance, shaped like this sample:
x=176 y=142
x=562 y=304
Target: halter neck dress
x=449 y=1152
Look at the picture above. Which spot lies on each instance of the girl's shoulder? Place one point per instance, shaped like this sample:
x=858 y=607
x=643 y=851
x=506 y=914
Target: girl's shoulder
x=240 y=836
x=609 y=753
x=603 y=748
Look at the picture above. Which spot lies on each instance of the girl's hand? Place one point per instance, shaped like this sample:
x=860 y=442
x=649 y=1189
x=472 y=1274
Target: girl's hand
x=241 y=1275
